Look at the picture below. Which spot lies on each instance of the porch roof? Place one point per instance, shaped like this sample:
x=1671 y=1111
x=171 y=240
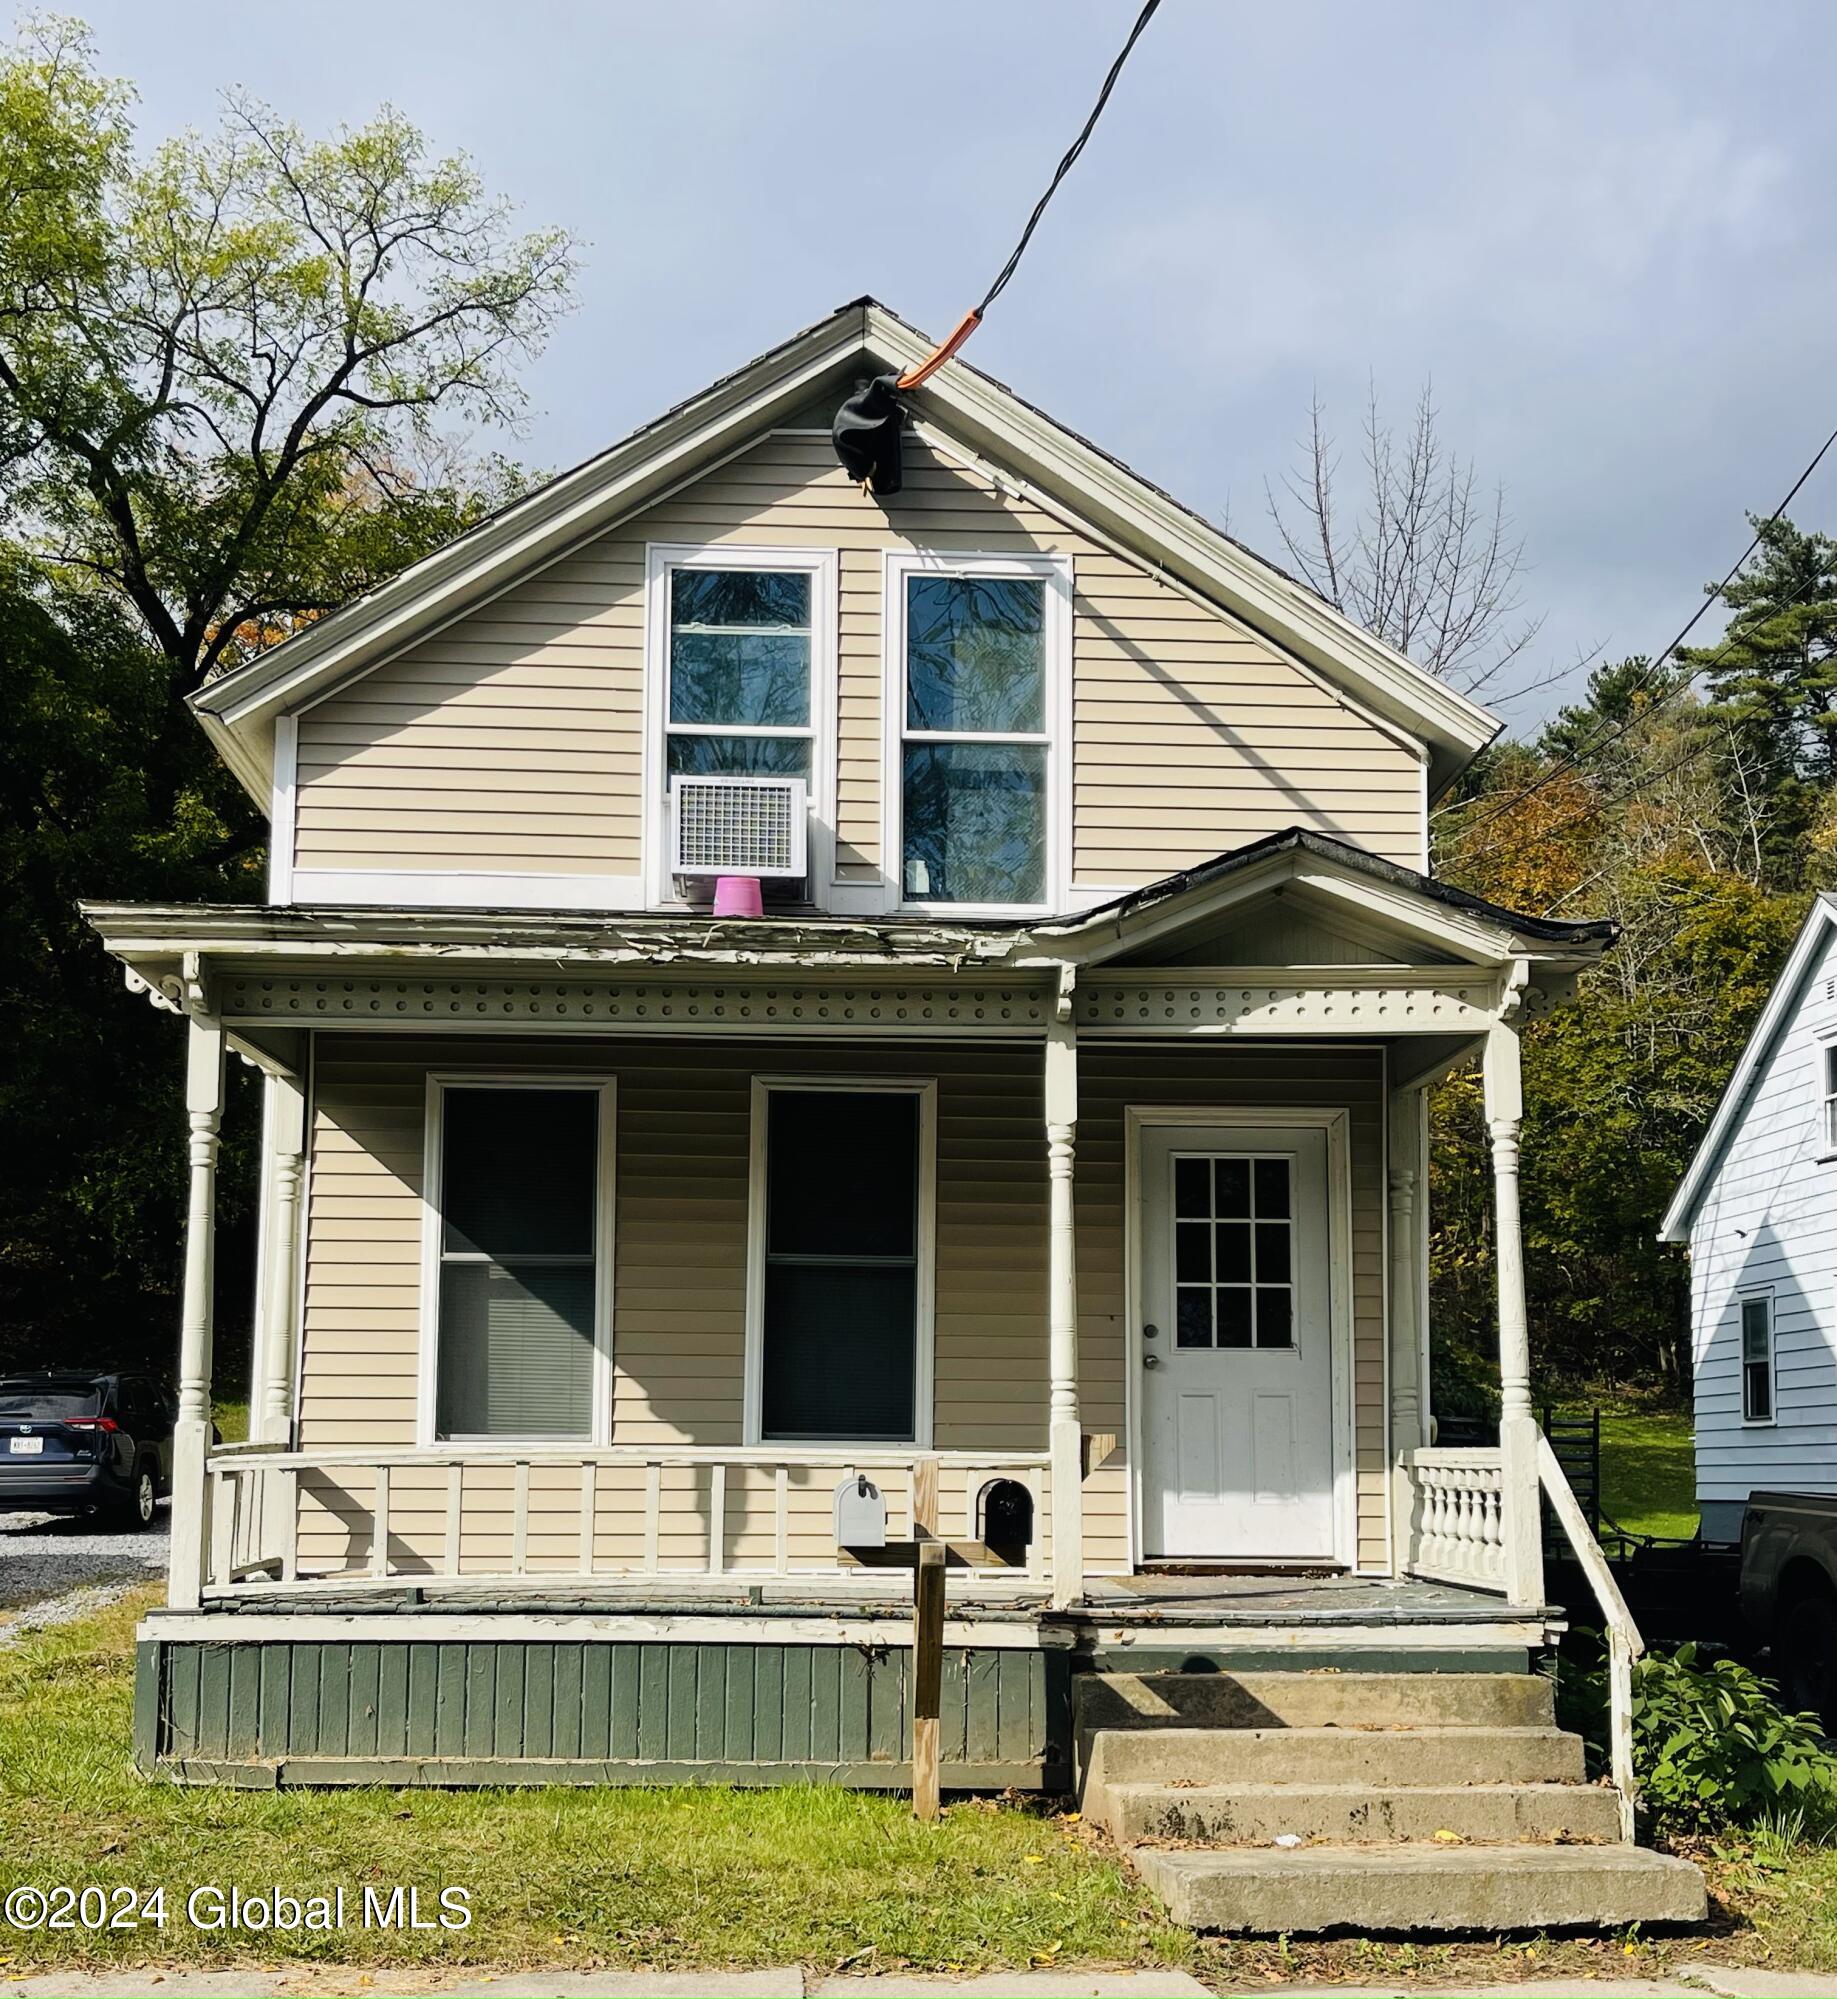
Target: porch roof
x=1475 y=928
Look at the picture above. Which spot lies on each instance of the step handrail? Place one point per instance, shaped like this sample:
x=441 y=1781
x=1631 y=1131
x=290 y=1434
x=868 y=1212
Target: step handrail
x=1624 y=1644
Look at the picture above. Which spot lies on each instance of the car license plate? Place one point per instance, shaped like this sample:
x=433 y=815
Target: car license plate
x=28 y=1447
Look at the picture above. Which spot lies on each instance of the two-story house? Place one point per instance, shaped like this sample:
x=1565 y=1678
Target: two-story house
x=1053 y=1133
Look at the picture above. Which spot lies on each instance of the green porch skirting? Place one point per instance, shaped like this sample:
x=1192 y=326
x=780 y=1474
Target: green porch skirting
x=543 y=1711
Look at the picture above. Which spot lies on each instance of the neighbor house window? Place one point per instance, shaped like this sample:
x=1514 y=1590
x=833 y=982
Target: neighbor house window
x=979 y=706
x=1757 y=1360
x=842 y=1264
x=738 y=663
x=520 y=1218
x=1827 y=1109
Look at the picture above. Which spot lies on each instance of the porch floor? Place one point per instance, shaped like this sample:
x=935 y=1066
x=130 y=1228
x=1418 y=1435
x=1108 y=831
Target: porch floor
x=1267 y=1601
x=1273 y=1599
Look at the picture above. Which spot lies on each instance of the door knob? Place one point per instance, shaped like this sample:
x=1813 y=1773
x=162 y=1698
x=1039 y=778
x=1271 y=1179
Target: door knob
x=1151 y=1360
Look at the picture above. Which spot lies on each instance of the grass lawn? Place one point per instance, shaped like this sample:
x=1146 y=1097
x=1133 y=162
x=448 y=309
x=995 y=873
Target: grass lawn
x=1648 y=1473
x=580 y=1879
x=561 y=1877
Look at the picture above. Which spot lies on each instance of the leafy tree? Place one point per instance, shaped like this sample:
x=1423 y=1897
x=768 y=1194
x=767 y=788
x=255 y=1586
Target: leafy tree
x=218 y=363
x=1772 y=707
x=1621 y=808
x=229 y=374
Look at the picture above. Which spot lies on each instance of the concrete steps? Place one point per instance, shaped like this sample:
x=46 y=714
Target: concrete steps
x=1422 y=1888
x=1405 y=1801
x=1357 y=1814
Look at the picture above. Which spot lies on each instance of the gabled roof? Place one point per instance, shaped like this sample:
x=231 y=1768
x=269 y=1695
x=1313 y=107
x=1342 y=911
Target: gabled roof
x=1484 y=928
x=239 y=708
x=1782 y=1004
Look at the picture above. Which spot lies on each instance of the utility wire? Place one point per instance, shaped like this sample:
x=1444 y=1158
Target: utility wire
x=972 y=319
x=1642 y=781
x=1573 y=760
x=1070 y=160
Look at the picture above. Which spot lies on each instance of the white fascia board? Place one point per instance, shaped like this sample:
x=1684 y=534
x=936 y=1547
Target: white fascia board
x=237 y=710
x=1414 y=700
x=1774 y=1017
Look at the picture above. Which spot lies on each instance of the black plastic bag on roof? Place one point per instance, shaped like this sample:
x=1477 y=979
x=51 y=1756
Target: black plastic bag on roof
x=866 y=434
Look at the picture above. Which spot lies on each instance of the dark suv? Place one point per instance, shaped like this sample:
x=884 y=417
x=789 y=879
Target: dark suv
x=76 y=1442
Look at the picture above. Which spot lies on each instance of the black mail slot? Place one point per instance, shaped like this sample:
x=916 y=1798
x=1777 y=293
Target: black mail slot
x=1004 y=1515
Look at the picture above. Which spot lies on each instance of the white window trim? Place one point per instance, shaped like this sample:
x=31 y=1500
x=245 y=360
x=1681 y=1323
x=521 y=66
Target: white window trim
x=924 y=1331
x=823 y=567
x=605 y=1202
x=1056 y=572
x=1824 y=1040
x=1743 y=1299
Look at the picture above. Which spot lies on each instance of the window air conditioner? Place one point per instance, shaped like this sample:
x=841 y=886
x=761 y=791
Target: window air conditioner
x=739 y=826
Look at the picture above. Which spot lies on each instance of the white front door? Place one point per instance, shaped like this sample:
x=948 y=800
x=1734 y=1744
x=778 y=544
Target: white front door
x=1236 y=1346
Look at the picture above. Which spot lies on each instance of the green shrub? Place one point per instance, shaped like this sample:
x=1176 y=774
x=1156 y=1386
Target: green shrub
x=1712 y=1746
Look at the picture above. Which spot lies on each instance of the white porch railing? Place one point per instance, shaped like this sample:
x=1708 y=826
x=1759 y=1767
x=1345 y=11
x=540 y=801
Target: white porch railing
x=1456 y=1501
x=1623 y=1641
x=336 y=1522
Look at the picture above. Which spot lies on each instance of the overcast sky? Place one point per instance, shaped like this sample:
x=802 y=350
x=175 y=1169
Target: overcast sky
x=1604 y=231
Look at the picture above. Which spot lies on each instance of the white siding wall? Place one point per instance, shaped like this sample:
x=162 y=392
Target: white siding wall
x=1769 y=1220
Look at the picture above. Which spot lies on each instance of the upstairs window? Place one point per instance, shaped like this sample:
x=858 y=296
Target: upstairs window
x=739 y=658
x=1757 y=1359
x=1827 y=1108
x=980 y=653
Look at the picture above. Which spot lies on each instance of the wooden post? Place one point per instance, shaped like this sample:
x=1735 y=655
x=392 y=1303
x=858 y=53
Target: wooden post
x=927 y=1638
x=1520 y=1508
x=191 y=1541
x=1065 y=1430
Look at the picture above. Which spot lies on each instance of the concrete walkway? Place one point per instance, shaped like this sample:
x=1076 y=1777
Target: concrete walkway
x=1693 y=1982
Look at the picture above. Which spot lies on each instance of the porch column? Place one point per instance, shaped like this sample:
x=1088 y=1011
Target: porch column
x=1524 y=1555
x=1407 y=1186
x=287 y=1138
x=1065 y=1437
x=191 y=1433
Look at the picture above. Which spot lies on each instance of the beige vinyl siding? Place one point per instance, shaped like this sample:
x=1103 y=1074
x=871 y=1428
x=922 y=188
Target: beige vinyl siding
x=680 y=1257
x=684 y=1112
x=511 y=741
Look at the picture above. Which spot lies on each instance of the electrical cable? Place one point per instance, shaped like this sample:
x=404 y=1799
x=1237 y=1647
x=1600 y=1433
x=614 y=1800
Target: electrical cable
x=973 y=318
x=1573 y=760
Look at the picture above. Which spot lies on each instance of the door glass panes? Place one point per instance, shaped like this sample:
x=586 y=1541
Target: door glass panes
x=1234 y=1251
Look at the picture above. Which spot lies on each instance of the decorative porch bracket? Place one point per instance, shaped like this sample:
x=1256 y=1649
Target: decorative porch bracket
x=1518 y=1434
x=192 y=1431
x=1065 y=1442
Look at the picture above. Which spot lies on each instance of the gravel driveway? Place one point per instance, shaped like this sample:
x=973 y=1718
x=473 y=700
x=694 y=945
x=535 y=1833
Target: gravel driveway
x=42 y=1556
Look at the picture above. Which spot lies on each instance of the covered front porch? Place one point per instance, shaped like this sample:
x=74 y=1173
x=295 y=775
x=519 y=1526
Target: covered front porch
x=1166 y=1272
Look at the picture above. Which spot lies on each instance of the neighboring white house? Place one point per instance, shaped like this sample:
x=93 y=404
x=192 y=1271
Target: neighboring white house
x=1758 y=1208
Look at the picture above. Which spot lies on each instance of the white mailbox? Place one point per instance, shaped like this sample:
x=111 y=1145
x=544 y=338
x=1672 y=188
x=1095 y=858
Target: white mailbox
x=861 y=1514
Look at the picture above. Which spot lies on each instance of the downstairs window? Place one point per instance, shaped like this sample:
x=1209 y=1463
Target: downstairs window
x=839 y=1319
x=518 y=1268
